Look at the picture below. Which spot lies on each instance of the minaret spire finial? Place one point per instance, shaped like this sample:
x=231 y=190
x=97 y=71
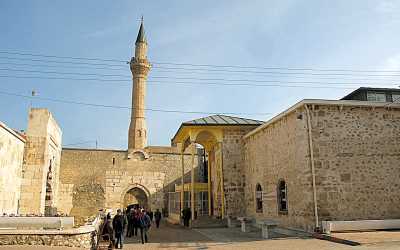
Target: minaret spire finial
x=141 y=38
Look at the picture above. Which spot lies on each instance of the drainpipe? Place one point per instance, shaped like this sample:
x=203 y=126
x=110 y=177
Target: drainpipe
x=310 y=144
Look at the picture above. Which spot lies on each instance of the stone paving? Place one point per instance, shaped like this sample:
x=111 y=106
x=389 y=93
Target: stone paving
x=372 y=237
x=176 y=237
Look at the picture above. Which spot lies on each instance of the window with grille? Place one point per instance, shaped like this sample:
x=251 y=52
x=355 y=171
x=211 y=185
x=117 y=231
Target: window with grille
x=282 y=197
x=259 y=203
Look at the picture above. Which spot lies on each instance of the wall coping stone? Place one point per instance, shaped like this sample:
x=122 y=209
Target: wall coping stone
x=71 y=231
x=349 y=103
x=11 y=131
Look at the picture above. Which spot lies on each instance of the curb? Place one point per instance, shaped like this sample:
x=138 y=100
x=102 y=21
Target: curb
x=335 y=239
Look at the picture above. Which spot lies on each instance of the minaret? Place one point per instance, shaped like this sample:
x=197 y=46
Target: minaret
x=140 y=68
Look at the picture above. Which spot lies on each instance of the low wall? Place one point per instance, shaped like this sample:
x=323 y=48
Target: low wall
x=359 y=225
x=83 y=237
x=69 y=240
x=36 y=222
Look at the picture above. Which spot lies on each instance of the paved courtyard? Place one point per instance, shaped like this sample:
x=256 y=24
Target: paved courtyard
x=176 y=237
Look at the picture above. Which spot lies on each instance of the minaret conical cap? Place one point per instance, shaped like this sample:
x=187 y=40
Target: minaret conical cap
x=141 y=37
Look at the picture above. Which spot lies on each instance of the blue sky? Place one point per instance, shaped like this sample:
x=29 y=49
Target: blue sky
x=313 y=34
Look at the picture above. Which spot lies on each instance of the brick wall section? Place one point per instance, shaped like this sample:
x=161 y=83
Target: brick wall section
x=357 y=155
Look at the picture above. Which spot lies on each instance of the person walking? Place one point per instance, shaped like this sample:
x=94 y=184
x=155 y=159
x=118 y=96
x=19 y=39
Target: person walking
x=186 y=214
x=135 y=222
x=157 y=217
x=119 y=223
x=129 y=229
x=151 y=215
x=145 y=224
x=108 y=231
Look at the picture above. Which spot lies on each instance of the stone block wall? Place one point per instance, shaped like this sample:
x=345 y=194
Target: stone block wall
x=84 y=237
x=280 y=152
x=96 y=179
x=41 y=162
x=233 y=170
x=227 y=160
x=84 y=241
x=11 y=158
x=357 y=155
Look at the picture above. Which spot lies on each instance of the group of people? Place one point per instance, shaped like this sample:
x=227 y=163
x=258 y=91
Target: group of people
x=136 y=219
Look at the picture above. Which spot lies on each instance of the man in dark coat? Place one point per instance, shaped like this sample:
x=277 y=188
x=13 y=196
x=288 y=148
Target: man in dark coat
x=135 y=222
x=157 y=217
x=129 y=229
x=119 y=223
x=186 y=215
x=150 y=214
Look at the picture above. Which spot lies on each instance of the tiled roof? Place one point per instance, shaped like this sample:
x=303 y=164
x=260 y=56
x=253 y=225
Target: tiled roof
x=223 y=120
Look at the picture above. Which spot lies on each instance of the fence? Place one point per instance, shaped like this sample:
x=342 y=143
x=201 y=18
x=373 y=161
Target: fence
x=201 y=202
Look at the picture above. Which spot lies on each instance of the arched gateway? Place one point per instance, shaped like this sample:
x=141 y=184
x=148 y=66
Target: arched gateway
x=135 y=195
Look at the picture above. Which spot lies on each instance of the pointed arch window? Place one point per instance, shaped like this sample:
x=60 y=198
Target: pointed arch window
x=259 y=202
x=282 y=197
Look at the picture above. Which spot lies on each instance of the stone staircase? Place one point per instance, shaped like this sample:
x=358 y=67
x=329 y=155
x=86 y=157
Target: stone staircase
x=209 y=222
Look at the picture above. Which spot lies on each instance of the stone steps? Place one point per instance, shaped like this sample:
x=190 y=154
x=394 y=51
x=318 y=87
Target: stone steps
x=209 y=222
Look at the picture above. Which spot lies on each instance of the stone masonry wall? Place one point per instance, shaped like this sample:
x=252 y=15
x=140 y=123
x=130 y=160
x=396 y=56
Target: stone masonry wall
x=233 y=170
x=11 y=158
x=42 y=153
x=95 y=179
x=357 y=155
x=84 y=241
x=280 y=151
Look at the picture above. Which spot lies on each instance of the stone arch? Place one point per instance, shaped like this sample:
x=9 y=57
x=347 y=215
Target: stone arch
x=139 y=190
x=206 y=137
x=205 y=131
x=143 y=154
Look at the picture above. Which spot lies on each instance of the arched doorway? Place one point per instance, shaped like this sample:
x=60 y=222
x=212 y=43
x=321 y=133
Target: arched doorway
x=136 y=197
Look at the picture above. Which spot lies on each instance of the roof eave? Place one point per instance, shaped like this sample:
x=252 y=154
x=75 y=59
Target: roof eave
x=173 y=140
x=321 y=102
